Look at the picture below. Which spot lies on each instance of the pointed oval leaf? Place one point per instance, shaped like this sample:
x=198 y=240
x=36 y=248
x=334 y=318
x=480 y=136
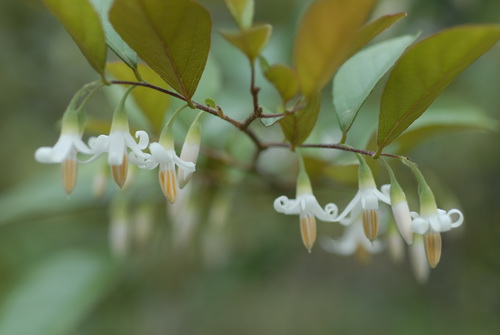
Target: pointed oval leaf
x=297 y=126
x=242 y=12
x=82 y=23
x=284 y=80
x=153 y=104
x=356 y=79
x=372 y=29
x=251 y=41
x=424 y=71
x=324 y=37
x=113 y=40
x=172 y=37
x=57 y=294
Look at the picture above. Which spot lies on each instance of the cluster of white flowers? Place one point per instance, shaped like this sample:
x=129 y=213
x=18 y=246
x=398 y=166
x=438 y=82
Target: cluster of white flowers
x=121 y=149
x=361 y=218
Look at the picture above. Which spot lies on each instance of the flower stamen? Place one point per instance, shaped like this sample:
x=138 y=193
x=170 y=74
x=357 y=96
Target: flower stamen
x=308 y=230
x=168 y=184
x=120 y=172
x=433 y=247
x=69 y=172
x=370 y=224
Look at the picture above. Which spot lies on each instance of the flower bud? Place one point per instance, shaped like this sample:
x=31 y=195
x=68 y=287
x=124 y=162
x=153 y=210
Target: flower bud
x=190 y=149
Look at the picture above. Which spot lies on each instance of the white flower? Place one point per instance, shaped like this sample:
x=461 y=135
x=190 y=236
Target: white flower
x=353 y=239
x=438 y=221
x=368 y=196
x=116 y=145
x=65 y=150
x=306 y=206
x=167 y=159
x=431 y=225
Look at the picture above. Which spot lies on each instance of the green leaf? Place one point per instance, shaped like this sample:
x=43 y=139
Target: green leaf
x=113 y=40
x=324 y=38
x=442 y=120
x=372 y=29
x=284 y=80
x=152 y=103
x=242 y=12
x=424 y=71
x=54 y=297
x=251 y=41
x=297 y=126
x=172 y=37
x=82 y=23
x=356 y=79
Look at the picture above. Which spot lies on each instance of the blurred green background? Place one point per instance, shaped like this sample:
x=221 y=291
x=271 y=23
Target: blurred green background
x=223 y=261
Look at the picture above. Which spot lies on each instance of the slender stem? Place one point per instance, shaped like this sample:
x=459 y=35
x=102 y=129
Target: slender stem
x=330 y=146
x=254 y=91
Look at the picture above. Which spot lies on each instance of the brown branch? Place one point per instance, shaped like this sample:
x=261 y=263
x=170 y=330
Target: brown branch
x=331 y=146
x=243 y=126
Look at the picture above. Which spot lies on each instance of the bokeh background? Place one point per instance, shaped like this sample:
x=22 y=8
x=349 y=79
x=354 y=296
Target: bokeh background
x=223 y=261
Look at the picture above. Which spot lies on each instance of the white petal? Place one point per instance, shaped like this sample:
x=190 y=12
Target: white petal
x=434 y=223
x=117 y=148
x=382 y=197
x=420 y=225
x=286 y=206
x=62 y=148
x=444 y=223
x=143 y=139
x=188 y=167
x=98 y=145
x=159 y=153
x=132 y=144
x=79 y=145
x=369 y=200
x=43 y=155
x=386 y=190
x=349 y=207
x=139 y=161
x=460 y=219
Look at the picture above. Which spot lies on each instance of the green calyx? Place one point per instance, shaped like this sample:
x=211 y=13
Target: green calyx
x=167 y=134
x=120 y=118
x=365 y=175
x=303 y=182
x=397 y=194
x=427 y=201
